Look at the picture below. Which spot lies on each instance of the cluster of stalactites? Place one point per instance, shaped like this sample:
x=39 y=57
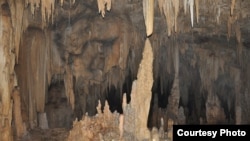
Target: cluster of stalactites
x=103 y=5
x=170 y=8
x=47 y=8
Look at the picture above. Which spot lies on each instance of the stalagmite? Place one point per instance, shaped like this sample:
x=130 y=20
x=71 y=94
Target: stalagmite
x=141 y=93
x=42 y=121
x=121 y=125
x=170 y=129
x=148 y=12
x=191 y=8
x=93 y=128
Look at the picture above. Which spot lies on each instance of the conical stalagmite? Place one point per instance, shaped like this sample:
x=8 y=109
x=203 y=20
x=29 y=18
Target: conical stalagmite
x=141 y=92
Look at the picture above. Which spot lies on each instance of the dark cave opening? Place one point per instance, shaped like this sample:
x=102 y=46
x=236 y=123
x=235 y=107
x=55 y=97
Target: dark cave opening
x=114 y=98
x=159 y=101
x=58 y=110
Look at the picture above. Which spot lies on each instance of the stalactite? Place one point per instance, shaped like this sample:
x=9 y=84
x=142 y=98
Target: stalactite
x=104 y=5
x=160 y=4
x=232 y=7
x=68 y=80
x=61 y=2
x=47 y=9
x=17 y=8
x=176 y=12
x=235 y=73
x=214 y=111
x=108 y=3
x=148 y=12
x=174 y=98
x=169 y=12
x=34 y=4
x=218 y=15
x=37 y=77
x=238 y=33
x=185 y=6
x=191 y=8
x=197 y=10
x=231 y=20
x=229 y=27
x=239 y=45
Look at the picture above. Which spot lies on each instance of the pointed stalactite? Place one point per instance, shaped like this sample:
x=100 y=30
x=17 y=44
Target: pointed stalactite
x=38 y=66
x=191 y=8
x=169 y=14
x=17 y=8
x=218 y=15
x=103 y=5
x=235 y=73
x=61 y=2
x=171 y=11
x=229 y=27
x=34 y=4
x=47 y=9
x=68 y=81
x=176 y=13
x=185 y=6
x=232 y=7
x=148 y=12
x=197 y=10
x=230 y=22
x=174 y=98
x=239 y=45
x=160 y=4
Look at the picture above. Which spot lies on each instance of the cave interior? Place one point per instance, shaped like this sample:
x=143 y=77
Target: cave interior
x=88 y=70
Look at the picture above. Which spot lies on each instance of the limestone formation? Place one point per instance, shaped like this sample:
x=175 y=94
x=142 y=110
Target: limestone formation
x=177 y=61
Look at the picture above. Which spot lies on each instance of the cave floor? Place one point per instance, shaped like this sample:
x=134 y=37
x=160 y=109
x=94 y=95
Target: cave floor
x=61 y=134
x=37 y=134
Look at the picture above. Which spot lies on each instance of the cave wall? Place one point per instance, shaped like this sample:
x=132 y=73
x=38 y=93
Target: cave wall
x=70 y=57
